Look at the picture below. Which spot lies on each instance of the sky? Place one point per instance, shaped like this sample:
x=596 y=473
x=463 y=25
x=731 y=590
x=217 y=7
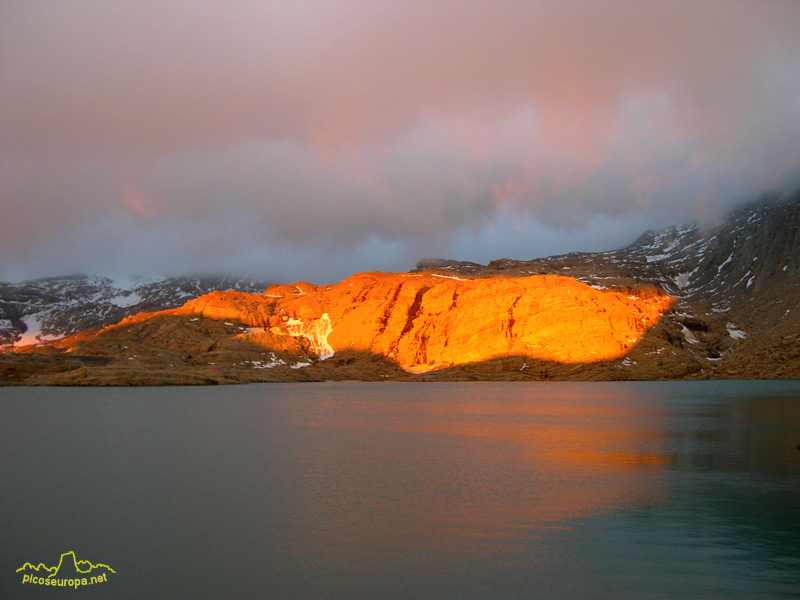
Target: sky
x=308 y=140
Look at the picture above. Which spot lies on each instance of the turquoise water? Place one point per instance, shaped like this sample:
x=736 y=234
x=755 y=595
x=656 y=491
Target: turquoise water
x=362 y=490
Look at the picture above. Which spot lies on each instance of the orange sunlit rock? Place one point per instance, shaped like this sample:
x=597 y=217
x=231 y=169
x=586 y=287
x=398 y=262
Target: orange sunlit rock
x=433 y=321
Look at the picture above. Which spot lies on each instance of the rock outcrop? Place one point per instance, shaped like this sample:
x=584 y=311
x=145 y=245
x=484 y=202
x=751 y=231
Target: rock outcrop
x=425 y=322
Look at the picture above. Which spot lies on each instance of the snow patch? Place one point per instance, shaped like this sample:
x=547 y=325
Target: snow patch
x=688 y=335
x=682 y=280
x=743 y=278
x=126 y=300
x=736 y=334
x=448 y=277
x=727 y=260
x=252 y=330
x=666 y=252
x=33 y=333
x=316 y=332
x=264 y=364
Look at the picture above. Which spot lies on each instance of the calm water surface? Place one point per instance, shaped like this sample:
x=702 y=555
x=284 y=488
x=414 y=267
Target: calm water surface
x=358 y=490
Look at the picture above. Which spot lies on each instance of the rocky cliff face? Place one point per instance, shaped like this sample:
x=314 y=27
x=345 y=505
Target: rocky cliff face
x=682 y=303
x=410 y=323
x=425 y=322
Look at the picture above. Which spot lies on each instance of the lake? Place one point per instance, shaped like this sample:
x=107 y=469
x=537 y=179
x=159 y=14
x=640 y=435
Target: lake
x=400 y=490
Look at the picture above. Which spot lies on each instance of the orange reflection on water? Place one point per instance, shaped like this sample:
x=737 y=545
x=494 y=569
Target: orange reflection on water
x=431 y=476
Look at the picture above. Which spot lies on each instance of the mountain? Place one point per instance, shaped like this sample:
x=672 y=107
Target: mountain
x=755 y=251
x=737 y=307
x=688 y=302
x=49 y=309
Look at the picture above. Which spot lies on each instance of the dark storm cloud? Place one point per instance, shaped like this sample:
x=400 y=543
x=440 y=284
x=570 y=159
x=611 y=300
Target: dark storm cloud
x=320 y=138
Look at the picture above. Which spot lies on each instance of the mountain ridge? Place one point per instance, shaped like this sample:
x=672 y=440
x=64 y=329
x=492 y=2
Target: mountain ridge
x=48 y=309
x=732 y=313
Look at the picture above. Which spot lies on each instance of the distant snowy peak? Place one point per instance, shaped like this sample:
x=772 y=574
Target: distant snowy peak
x=48 y=309
x=755 y=249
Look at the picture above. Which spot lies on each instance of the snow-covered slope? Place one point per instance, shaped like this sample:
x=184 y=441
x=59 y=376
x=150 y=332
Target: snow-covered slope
x=756 y=250
x=44 y=310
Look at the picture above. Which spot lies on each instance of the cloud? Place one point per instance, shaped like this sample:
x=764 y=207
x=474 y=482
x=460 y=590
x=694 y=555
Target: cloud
x=192 y=136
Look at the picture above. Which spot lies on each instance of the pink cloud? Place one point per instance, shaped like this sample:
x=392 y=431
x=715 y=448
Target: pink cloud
x=138 y=202
x=336 y=123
